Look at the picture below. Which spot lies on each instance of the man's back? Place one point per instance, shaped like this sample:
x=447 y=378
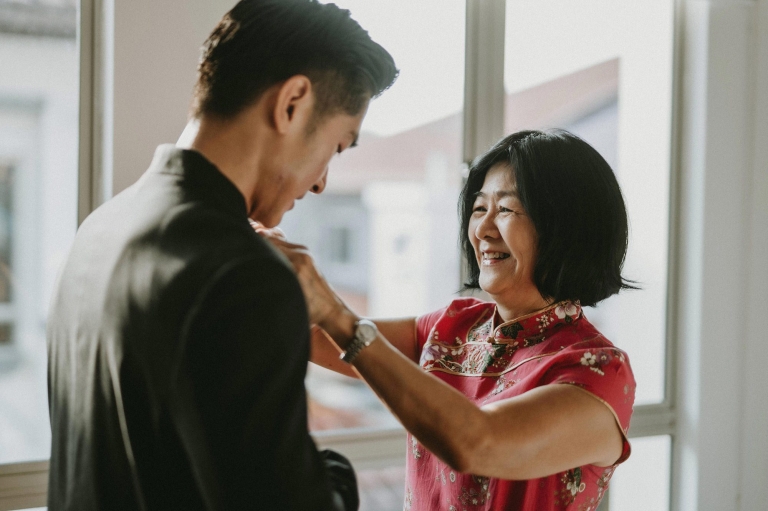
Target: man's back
x=178 y=343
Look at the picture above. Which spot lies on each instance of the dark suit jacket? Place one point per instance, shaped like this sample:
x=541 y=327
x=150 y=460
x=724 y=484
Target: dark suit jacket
x=178 y=343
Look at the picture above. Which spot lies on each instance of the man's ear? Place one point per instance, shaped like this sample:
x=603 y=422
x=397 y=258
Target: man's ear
x=294 y=104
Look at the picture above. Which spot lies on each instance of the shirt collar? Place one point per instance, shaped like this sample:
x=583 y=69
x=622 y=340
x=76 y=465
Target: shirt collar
x=538 y=324
x=200 y=175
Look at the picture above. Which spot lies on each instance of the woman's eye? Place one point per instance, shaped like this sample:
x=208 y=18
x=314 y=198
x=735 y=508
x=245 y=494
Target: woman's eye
x=477 y=209
x=502 y=209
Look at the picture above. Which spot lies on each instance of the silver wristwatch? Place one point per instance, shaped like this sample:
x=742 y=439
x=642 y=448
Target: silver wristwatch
x=365 y=334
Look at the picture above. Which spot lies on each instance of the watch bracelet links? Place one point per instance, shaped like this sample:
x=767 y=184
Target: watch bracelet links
x=353 y=350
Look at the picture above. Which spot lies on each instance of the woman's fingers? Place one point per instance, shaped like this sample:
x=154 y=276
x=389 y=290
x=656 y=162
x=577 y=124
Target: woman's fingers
x=321 y=299
x=284 y=244
x=271 y=233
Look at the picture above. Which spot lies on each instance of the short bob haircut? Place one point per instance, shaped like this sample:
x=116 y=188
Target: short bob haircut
x=574 y=201
x=261 y=43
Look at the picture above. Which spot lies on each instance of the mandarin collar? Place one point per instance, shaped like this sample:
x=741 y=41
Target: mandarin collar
x=200 y=174
x=537 y=323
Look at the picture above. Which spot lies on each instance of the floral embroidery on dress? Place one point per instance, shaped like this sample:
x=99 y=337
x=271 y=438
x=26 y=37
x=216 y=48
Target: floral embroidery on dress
x=436 y=352
x=602 y=482
x=533 y=341
x=480 y=332
x=415 y=448
x=596 y=359
x=502 y=384
x=488 y=360
x=567 y=311
x=475 y=496
x=544 y=322
x=440 y=476
x=511 y=331
x=590 y=360
x=487 y=353
x=571 y=480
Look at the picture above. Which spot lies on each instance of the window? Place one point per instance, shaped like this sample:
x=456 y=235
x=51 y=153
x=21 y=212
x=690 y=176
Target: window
x=600 y=69
x=384 y=231
x=38 y=205
x=604 y=71
x=39 y=92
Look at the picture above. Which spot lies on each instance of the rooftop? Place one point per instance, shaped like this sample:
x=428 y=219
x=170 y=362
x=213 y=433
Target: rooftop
x=405 y=156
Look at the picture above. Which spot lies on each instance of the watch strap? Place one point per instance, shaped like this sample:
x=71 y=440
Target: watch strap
x=358 y=342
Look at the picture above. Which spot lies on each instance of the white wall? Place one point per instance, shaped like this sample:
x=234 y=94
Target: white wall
x=156 y=50
x=723 y=282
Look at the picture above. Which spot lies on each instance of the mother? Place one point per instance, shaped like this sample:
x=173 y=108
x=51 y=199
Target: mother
x=519 y=403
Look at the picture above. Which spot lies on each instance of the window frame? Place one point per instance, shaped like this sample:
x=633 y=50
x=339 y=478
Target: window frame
x=24 y=485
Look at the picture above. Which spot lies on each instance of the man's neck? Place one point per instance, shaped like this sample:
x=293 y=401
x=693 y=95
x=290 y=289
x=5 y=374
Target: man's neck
x=232 y=147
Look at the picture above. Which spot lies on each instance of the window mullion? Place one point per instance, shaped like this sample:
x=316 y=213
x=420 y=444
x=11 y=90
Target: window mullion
x=95 y=34
x=483 y=76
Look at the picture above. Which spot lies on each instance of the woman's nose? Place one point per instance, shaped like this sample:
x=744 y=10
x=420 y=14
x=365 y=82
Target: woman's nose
x=487 y=227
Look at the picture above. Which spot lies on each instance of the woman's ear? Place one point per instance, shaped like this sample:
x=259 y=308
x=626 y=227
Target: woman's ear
x=294 y=105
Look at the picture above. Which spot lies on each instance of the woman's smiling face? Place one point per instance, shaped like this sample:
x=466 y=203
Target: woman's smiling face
x=504 y=240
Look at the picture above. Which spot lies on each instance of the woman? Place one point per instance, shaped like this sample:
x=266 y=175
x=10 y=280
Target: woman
x=519 y=403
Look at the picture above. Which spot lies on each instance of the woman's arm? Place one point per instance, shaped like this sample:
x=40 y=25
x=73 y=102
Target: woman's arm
x=544 y=431
x=547 y=430
x=401 y=333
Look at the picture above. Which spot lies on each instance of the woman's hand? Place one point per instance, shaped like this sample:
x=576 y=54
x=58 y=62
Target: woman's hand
x=273 y=233
x=325 y=307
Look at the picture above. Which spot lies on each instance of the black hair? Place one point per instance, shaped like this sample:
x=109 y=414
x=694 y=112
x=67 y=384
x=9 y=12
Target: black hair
x=575 y=204
x=260 y=43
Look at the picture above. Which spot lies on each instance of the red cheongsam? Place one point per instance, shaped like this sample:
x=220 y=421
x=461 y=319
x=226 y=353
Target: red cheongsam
x=462 y=346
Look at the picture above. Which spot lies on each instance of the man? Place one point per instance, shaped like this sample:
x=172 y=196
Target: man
x=178 y=338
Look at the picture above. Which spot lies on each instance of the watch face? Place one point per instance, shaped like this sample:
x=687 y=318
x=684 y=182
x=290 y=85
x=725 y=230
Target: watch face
x=366 y=331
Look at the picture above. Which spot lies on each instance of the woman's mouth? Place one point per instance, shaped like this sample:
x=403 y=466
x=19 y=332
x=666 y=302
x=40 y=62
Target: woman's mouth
x=493 y=257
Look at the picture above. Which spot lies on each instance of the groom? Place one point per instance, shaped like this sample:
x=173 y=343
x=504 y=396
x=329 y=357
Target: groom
x=178 y=338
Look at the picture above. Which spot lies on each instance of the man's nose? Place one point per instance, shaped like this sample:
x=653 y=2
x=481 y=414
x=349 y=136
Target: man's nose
x=319 y=186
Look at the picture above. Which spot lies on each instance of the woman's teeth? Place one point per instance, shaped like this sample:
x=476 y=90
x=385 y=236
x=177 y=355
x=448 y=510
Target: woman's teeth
x=494 y=255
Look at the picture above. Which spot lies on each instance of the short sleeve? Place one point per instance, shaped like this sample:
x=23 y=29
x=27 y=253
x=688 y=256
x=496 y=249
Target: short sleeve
x=424 y=325
x=451 y=314
x=602 y=370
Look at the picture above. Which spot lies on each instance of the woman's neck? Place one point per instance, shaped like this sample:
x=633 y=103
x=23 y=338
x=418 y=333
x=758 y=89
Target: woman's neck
x=510 y=311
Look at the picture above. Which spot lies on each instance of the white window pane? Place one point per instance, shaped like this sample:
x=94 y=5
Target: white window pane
x=385 y=230
x=642 y=482
x=603 y=70
x=38 y=205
